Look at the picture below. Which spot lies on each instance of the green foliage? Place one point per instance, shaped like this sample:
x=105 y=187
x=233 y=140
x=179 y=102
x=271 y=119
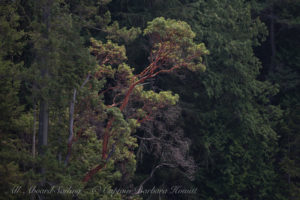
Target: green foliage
x=176 y=38
x=237 y=133
x=163 y=97
x=108 y=52
x=174 y=49
x=229 y=118
x=61 y=63
x=289 y=163
x=284 y=70
x=122 y=35
x=170 y=30
x=10 y=49
x=87 y=13
x=11 y=46
x=57 y=68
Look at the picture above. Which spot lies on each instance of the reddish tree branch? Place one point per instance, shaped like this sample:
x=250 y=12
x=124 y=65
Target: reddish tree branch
x=147 y=73
x=89 y=175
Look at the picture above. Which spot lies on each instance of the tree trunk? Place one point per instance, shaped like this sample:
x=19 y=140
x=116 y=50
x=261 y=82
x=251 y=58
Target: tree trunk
x=44 y=107
x=43 y=126
x=34 y=131
x=71 y=118
x=272 y=41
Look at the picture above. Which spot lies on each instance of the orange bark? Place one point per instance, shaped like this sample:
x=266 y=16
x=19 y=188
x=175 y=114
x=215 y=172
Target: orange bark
x=147 y=73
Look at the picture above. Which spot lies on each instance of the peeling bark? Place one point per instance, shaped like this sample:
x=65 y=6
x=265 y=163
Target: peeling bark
x=153 y=69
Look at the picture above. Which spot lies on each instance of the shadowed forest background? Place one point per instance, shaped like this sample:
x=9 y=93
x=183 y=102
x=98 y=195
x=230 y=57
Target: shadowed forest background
x=126 y=99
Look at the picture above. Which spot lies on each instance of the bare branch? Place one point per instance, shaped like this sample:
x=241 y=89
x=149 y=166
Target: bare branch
x=140 y=188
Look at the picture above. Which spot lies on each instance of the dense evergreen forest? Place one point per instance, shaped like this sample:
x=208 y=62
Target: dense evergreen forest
x=150 y=99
